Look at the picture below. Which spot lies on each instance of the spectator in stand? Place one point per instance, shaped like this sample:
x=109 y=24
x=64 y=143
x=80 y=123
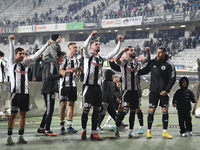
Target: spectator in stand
x=137 y=50
x=194 y=43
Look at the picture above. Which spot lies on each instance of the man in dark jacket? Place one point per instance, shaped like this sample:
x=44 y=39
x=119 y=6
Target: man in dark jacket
x=50 y=75
x=181 y=101
x=163 y=77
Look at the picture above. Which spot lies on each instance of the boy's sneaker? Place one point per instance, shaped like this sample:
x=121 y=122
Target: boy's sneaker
x=40 y=130
x=71 y=130
x=95 y=136
x=117 y=132
x=132 y=135
x=149 y=134
x=50 y=133
x=99 y=127
x=167 y=135
x=141 y=130
x=83 y=136
x=107 y=125
x=189 y=133
x=62 y=130
x=10 y=141
x=111 y=129
x=184 y=135
x=22 y=140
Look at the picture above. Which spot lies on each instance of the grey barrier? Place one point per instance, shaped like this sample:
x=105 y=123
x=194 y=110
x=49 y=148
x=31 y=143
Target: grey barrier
x=38 y=107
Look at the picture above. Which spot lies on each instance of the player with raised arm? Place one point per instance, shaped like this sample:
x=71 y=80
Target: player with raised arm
x=92 y=94
x=131 y=91
x=18 y=68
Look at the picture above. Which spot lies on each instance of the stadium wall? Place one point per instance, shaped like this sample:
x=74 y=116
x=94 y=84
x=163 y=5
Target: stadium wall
x=39 y=108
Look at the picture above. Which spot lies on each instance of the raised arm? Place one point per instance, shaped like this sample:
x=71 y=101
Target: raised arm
x=117 y=59
x=116 y=50
x=114 y=66
x=85 y=45
x=147 y=49
x=36 y=55
x=12 y=49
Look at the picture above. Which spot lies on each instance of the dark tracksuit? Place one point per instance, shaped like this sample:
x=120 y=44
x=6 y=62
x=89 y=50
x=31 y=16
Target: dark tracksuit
x=108 y=97
x=50 y=75
x=182 y=99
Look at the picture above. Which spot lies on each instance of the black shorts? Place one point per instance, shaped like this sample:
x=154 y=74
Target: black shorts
x=92 y=96
x=68 y=94
x=19 y=102
x=130 y=99
x=155 y=97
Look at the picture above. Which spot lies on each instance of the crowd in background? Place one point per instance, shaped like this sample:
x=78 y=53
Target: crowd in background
x=127 y=8
x=190 y=5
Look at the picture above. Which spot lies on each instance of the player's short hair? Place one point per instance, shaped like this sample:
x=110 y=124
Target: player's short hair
x=64 y=52
x=71 y=43
x=26 y=54
x=60 y=53
x=19 y=49
x=93 y=42
x=130 y=46
x=1 y=54
x=163 y=49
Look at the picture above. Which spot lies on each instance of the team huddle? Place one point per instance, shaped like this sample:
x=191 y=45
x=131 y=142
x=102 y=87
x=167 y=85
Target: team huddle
x=115 y=95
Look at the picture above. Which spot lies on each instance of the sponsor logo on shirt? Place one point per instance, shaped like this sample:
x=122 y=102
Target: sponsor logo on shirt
x=95 y=64
x=21 y=72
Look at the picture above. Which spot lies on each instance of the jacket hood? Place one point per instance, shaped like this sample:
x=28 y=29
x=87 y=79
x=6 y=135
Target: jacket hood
x=52 y=41
x=52 y=60
x=108 y=74
x=180 y=82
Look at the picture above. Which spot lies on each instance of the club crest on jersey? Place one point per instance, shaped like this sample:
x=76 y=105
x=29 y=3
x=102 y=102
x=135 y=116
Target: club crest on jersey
x=163 y=68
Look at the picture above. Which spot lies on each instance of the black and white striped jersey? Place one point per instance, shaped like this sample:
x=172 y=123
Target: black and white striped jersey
x=93 y=64
x=130 y=78
x=93 y=70
x=19 y=70
x=70 y=78
x=3 y=70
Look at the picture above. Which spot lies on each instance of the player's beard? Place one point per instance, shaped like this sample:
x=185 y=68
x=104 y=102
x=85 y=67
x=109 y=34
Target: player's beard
x=132 y=56
x=97 y=50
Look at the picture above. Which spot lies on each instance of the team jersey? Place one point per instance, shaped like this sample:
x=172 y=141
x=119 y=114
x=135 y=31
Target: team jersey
x=3 y=70
x=19 y=70
x=70 y=78
x=93 y=64
x=93 y=70
x=130 y=78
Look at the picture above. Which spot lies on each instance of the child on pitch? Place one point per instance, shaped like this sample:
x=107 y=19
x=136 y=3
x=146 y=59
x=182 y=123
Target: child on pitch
x=181 y=101
x=118 y=97
x=108 y=102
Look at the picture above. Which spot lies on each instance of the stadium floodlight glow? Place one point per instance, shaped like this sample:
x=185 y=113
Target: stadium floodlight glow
x=80 y=32
x=139 y=29
x=147 y=28
x=182 y=26
x=116 y=30
x=172 y=27
x=109 y=31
